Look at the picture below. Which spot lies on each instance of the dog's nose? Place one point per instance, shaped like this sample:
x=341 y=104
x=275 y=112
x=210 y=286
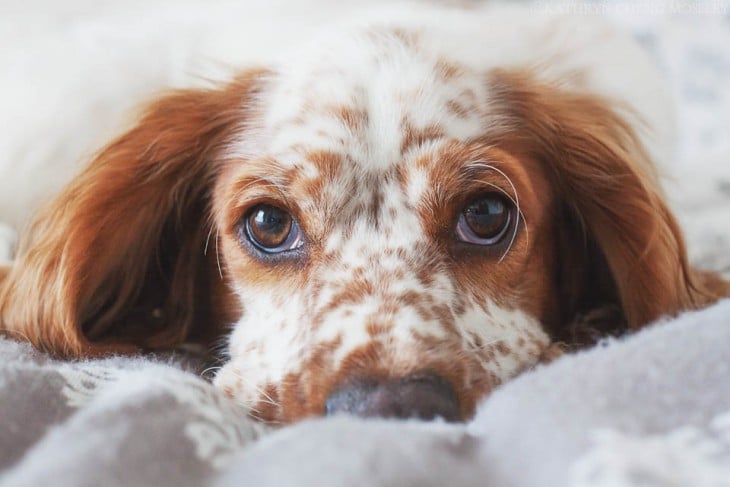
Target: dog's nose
x=418 y=396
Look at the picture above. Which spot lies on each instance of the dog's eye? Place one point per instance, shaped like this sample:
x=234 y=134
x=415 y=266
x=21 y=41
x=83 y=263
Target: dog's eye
x=272 y=229
x=485 y=220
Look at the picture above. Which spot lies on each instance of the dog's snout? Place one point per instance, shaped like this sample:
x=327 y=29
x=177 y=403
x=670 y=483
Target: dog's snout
x=420 y=396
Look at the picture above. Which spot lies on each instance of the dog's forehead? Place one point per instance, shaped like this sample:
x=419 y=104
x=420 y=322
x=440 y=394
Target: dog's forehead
x=347 y=121
x=372 y=95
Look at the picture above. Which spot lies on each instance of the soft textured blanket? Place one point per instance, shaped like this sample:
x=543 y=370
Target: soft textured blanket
x=653 y=409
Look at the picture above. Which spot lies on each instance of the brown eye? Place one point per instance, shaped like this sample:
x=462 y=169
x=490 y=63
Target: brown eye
x=272 y=229
x=485 y=220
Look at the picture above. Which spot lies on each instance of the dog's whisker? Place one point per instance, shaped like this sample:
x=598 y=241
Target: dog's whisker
x=486 y=345
x=258 y=390
x=207 y=241
x=217 y=253
x=269 y=400
x=214 y=368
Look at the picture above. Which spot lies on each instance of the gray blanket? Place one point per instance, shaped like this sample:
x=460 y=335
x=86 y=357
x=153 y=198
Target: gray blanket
x=652 y=409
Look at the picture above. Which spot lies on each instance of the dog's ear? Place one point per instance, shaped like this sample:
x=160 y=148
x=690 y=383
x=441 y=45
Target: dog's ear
x=618 y=241
x=117 y=261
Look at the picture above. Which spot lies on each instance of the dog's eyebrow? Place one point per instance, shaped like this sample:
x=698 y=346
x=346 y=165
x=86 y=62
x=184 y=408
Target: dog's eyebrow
x=479 y=168
x=476 y=172
x=259 y=173
x=264 y=185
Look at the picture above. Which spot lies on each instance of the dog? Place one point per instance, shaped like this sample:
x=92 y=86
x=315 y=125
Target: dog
x=392 y=221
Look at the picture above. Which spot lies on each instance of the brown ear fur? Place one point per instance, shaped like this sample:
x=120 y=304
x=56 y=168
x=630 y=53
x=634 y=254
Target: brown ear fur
x=622 y=242
x=116 y=261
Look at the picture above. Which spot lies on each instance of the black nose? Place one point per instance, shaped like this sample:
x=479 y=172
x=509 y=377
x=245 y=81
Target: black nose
x=418 y=396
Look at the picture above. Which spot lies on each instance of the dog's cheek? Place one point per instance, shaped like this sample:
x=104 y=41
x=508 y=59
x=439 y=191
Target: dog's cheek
x=265 y=344
x=504 y=341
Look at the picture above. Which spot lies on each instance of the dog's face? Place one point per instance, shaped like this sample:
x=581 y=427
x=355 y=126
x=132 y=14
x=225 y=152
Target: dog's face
x=380 y=230
x=373 y=234
x=422 y=266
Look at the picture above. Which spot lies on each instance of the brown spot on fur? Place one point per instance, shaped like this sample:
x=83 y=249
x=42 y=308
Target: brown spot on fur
x=329 y=163
x=355 y=119
x=375 y=329
x=298 y=121
x=415 y=137
x=425 y=276
x=459 y=305
x=303 y=393
x=406 y=36
x=468 y=97
x=447 y=70
x=352 y=292
x=502 y=348
x=446 y=318
x=456 y=108
x=553 y=352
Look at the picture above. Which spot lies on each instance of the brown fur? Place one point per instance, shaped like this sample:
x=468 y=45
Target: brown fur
x=617 y=233
x=116 y=261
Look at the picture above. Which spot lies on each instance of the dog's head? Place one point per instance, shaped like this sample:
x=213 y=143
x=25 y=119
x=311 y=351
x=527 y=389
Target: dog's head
x=381 y=230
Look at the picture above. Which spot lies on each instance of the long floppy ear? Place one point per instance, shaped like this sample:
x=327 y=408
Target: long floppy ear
x=117 y=260
x=620 y=241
